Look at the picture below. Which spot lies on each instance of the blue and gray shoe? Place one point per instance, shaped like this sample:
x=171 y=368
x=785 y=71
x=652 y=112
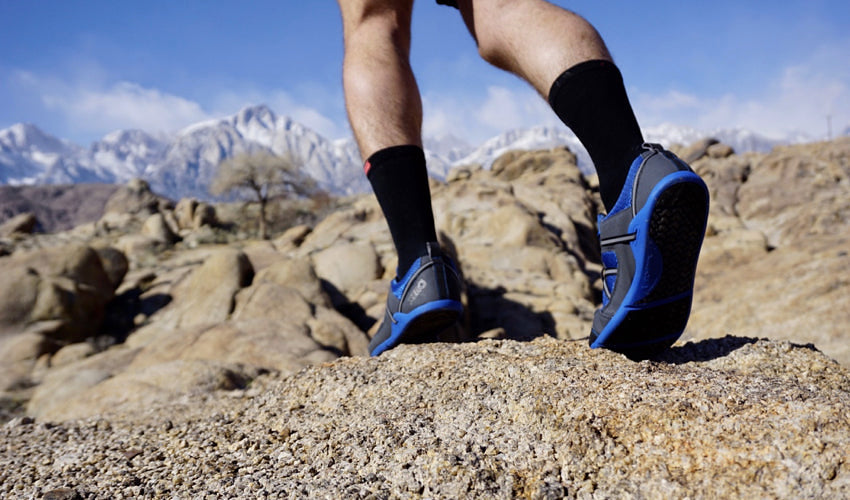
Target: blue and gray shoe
x=650 y=245
x=423 y=303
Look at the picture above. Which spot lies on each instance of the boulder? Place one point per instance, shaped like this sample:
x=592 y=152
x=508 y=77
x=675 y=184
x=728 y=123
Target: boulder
x=207 y=295
x=297 y=273
x=64 y=285
x=348 y=266
x=134 y=198
x=697 y=150
x=18 y=355
x=719 y=150
x=115 y=264
x=184 y=212
x=726 y=418
x=25 y=223
x=292 y=238
x=204 y=215
x=515 y=164
x=156 y=227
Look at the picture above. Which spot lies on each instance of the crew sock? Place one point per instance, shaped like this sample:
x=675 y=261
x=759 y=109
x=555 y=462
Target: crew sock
x=399 y=179
x=591 y=99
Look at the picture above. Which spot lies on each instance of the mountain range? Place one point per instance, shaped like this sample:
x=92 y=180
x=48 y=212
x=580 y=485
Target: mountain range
x=183 y=164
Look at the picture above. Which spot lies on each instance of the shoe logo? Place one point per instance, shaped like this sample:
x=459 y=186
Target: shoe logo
x=418 y=288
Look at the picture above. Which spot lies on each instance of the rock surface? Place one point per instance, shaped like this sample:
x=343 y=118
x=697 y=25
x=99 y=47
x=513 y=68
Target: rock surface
x=723 y=418
x=24 y=223
x=215 y=368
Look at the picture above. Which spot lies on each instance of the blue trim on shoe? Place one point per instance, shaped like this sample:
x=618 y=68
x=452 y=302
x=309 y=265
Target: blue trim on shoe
x=402 y=320
x=648 y=261
x=397 y=286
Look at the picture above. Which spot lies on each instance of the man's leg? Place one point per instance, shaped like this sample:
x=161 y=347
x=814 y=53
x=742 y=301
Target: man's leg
x=657 y=207
x=385 y=112
x=381 y=96
x=563 y=57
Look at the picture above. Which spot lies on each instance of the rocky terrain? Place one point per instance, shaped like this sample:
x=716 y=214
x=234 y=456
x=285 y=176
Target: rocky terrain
x=153 y=354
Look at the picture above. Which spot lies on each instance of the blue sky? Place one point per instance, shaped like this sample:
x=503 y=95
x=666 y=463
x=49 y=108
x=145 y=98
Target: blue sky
x=80 y=69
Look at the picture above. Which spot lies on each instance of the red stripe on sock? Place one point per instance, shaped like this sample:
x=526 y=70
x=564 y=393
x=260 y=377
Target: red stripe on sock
x=366 y=167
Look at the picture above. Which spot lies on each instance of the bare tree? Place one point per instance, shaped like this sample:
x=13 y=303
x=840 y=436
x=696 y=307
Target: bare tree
x=261 y=176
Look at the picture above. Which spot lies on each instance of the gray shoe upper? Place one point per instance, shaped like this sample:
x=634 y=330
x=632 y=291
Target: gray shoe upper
x=614 y=235
x=432 y=278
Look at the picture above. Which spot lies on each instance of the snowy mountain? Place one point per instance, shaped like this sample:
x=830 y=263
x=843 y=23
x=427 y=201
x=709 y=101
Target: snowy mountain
x=179 y=165
x=183 y=164
x=666 y=134
x=192 y=157
x=28 y=155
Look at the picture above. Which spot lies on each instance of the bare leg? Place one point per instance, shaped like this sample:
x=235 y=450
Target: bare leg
x=382 y=99
x=531 y=38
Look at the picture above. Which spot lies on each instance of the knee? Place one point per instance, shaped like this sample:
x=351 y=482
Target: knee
x=487 y=20
x=373 y=20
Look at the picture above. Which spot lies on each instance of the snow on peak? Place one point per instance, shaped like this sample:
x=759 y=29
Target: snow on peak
x=184 y=164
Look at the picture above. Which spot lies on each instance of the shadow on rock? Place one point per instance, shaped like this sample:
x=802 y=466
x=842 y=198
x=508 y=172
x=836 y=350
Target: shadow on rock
x=350 y=309
x=704 y=350
x=121 y=312
x=490 y=309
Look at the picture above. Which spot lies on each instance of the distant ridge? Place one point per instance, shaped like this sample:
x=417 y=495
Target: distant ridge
x=183 y=164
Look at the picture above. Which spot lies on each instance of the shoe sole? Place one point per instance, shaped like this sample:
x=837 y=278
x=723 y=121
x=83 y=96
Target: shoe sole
x=422 y=325
x=669 y=234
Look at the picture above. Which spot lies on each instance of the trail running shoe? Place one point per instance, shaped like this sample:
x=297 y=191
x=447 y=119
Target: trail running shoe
x=650 y=245
x=422 y=304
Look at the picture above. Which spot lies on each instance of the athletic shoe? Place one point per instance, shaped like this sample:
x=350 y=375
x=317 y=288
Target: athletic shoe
x=650 y=245
x=422 y=304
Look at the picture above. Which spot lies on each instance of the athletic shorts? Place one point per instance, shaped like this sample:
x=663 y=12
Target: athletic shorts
x=450 y=3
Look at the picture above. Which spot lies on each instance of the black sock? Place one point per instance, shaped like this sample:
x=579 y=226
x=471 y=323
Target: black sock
x=400 y=182
x=591 y=99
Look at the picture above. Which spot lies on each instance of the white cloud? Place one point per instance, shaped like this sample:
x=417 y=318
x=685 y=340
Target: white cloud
x=477 y=117
x=124 y=105
x=92 y=107
x=797 y=99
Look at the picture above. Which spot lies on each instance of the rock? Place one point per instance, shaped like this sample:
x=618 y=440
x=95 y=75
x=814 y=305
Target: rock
x=141 y=250
x=72 y=353
x=779 y=224
x=204 y=216
x=736 y=417
x=117 y=222
x=462 y=173
x=134 y=198
x=184 y=212
x=156 y=228
x=348 y=266
x=134 y=390
x=697 y=150
x=115 y=264
x=292 y=238
x=514 y=164
x=171 y=221
x=19 y=290
x=207 y=296
x=62 y=494
x=298 y=274
x=18 y=356
x=261 y=253
x=62 y=384
x=719 y=150
x=25 y=223
x=68 y=285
